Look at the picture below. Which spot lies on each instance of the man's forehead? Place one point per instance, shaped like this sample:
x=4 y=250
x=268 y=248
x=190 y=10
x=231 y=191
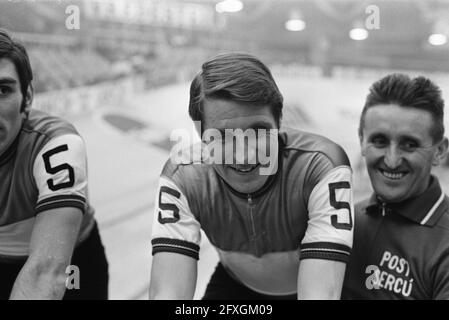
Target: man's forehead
x=223 y=112
x=399 y=121
x=8 y=70
x=396 y=112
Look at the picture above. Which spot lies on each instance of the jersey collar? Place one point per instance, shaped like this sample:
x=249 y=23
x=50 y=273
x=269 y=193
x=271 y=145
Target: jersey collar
x=425 y=209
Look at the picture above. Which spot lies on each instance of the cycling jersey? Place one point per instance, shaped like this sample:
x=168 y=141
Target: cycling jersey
x=304 y=211
x=44 y=168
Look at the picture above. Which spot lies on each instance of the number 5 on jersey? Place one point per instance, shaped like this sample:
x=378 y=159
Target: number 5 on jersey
x=54 y=170
x=168 y=206
x=339 y=205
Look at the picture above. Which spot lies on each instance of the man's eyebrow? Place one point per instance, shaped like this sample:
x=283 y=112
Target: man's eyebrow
x=377 y=133
x=8 y=80
x=402 y=137
x=253 y=126
x=261 y=125
x=410 y=137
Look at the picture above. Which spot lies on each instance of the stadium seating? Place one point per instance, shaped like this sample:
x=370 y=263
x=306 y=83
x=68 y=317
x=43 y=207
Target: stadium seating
x=61 y=68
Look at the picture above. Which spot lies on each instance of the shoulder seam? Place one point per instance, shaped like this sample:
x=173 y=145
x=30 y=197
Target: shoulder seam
x=36 y=131
x=313 y=151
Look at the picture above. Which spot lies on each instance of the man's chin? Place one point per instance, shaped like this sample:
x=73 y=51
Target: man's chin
x=246 y=188
x=245 y=183
x=242 y=182
x=388 y=195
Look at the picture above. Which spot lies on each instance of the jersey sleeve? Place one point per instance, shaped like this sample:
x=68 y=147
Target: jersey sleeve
x=175 y=228
x=331 y=215
x=60 y=173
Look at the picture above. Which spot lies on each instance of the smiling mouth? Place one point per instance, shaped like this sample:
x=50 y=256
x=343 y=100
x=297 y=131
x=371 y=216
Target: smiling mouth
x=392 y=175
x=245 y=169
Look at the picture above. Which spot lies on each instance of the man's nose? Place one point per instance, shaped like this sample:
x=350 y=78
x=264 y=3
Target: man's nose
x=393 y=157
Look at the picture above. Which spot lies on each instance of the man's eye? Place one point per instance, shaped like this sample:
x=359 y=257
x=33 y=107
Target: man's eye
x=5 y=90
x=409 y=145
x=379 y=142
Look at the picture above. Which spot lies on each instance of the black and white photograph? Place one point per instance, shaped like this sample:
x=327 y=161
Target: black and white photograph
x=238 y=152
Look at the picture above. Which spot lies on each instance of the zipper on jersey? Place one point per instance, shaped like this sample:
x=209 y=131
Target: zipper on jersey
x=253 y=226
x=383 y=209
x=253 y=235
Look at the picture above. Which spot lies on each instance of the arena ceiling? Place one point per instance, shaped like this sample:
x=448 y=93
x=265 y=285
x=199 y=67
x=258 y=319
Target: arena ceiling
x=401 y=38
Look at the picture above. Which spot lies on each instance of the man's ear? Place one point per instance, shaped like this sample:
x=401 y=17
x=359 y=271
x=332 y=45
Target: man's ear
x=28 y=100
x=441 y=152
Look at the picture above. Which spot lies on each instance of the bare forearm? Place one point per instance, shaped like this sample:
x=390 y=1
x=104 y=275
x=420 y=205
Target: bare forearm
x=33 y=284
x=172 y=292
x=320 y=293
x=173 y=277
x=166 y=295
x=320 y=279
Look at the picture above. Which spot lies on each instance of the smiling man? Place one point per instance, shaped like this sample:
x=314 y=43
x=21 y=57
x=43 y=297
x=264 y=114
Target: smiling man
x=401 y=240
x=282 y=228
x=47 y=228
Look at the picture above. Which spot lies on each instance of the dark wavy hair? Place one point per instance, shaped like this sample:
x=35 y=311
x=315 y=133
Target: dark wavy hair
x=13 y=50
x=238 y=77
x=400 y=89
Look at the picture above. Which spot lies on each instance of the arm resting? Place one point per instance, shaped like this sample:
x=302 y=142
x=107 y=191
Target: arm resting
x=320 y=279
x=173 y=276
